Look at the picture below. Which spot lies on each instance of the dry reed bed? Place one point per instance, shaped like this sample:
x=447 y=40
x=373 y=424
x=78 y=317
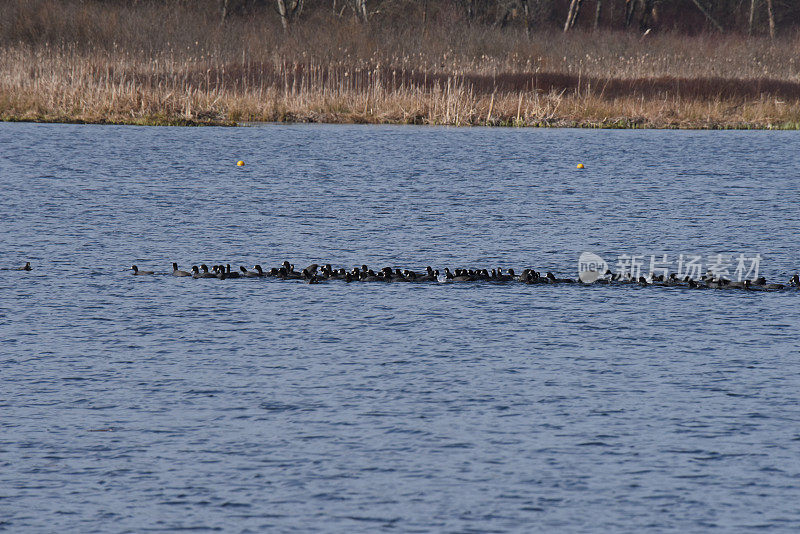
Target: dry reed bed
x=65 y=85
x=94 y=62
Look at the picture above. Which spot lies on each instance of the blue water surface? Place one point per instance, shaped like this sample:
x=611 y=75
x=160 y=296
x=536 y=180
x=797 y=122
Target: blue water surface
x=156 y=403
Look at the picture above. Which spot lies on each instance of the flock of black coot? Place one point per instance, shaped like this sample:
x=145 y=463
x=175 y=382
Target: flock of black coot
x=315 y=274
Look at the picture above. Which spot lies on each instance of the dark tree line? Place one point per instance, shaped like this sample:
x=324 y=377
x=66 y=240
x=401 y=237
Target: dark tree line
x=688 y=16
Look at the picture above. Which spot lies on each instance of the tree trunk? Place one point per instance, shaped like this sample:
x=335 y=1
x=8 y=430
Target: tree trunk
x=771 y=20
x=526 y=12
x=284 y=13
x=752 y=16
x=611 y=12
x=597 y=10
x=630 y=9
x=470 y=11
x=360 y=9
x=644 y=19
x=289 y=10
x=572 y=14
x=577 y=11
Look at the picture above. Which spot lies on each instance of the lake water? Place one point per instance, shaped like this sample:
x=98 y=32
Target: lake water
x=131 y=404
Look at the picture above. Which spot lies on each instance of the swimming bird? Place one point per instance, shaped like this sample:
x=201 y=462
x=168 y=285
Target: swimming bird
x=205 y=274
x=326 y=272
x=229 y=274
x=773 y=286
x=369 y=276
x=462 y=275
x=529 y=276
x=252 y=274
x=500 y=277
x=26 y=267
x=337 y=274
x=176 y=272
x=672 y=280
x=429 y=276
x=401 y=276
x=606 y=278
x=137 y=272
x=291 y=274
x=538 y=278
x=712 y=283
x=220 y=272
x=287 y=272
x=795 y=280
x=386 y=274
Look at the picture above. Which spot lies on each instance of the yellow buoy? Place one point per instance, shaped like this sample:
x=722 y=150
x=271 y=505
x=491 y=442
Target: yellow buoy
x=240 y=163
x=580 y=165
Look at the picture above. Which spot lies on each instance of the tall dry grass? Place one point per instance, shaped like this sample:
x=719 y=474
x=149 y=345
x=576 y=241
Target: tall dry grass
x=150 y=62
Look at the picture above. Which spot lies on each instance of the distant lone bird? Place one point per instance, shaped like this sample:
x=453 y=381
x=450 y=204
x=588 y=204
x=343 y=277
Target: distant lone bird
x=26 y=267
x=137 y=272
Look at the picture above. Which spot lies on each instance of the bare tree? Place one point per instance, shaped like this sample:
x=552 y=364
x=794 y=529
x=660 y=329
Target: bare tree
x=470 y=10
x=597 y=10
x=572 y=14
x=771 y=20
x=630 y=9
x=289 y=10
x=224 y=11
x=647 y=13
x=526 y=12
x=359 y=8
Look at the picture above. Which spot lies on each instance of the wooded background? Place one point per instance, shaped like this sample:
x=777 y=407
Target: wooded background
x=686 y=16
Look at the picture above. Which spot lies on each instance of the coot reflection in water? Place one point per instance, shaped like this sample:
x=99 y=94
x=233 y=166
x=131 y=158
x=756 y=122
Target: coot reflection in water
x=165 y=403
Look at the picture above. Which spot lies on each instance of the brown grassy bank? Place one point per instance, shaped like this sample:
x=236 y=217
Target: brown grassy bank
x=153 y=63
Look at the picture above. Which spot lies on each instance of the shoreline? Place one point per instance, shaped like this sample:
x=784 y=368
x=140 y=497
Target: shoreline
x=618 y=124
